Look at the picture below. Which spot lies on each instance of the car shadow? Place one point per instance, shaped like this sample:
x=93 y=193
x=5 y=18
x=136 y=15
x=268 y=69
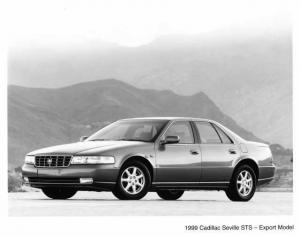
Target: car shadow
x=122 y=201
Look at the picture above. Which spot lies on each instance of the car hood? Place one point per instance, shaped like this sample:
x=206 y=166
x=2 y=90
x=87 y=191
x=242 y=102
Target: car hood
x=78 y=147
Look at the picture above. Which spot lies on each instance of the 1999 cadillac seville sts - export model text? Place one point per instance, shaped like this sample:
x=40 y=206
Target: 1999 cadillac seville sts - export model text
x=167 y=155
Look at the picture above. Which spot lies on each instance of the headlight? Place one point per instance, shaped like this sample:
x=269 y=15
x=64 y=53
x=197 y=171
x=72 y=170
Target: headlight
x=29 y=160
x=93 y=160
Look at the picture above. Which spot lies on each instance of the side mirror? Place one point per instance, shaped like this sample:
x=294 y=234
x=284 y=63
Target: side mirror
x=83 y=138
x=170 y=140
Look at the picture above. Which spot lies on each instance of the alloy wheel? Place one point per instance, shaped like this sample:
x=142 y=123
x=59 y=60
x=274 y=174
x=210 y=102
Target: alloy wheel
x=133 y=180
x=244 y=183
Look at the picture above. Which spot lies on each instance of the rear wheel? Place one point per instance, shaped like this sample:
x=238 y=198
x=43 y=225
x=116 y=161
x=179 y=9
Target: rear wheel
x=170 y=194
x=59 y=193
x=133 y=182
x=243 y=184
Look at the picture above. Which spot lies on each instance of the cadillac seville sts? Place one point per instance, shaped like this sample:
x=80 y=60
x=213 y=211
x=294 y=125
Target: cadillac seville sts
x=166 y=155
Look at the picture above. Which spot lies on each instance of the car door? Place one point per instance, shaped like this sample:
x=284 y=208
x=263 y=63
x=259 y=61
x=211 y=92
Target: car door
x=218 y=153
x=181 y=162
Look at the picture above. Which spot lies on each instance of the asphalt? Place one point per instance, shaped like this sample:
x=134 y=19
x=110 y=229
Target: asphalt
x=196 y=203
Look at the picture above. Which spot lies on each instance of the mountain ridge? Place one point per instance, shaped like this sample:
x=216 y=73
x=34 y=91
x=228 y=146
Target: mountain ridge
x=45 y=117
x=249 y=77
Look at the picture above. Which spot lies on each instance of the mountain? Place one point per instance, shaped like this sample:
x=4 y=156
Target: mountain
x=43 y=117
x=249 y=77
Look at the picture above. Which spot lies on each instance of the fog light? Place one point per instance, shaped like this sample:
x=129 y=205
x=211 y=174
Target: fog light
x=26 y=180
x=86 y=180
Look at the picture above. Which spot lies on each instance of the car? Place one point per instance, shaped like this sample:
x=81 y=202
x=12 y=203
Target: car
x=167 y=155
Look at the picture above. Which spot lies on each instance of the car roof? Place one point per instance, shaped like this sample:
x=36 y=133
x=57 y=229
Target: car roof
x=168 y=118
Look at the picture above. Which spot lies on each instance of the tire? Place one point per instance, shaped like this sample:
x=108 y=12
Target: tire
x=59 y=193
x=170 y=194
x=243 y=184
x=133 y=182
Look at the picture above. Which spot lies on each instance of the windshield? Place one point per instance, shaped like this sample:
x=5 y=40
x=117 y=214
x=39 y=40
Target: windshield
x=130 y=130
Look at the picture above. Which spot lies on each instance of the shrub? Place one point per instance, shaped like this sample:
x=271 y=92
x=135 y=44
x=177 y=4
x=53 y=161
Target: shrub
x=14 y=182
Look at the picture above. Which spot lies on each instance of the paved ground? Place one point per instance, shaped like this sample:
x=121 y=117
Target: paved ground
x=192 y=203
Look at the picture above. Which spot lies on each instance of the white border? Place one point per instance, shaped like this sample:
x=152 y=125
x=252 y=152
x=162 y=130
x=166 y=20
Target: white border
x=143 y=226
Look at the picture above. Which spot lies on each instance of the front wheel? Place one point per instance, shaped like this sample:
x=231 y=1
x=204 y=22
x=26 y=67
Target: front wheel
x=243 y=184
x=133 y=182
x=170 y=194
x=59 y=193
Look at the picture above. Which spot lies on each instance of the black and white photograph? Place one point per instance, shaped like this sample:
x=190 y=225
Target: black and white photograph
x=136 y=109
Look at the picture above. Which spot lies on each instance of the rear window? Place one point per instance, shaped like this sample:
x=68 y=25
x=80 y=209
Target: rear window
x=224 y=137
x=208 y=134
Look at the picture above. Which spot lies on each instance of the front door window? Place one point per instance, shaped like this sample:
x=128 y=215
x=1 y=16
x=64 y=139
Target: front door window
x=183 y=130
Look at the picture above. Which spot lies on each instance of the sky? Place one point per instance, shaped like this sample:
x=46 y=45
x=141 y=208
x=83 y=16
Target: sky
x=136 y=22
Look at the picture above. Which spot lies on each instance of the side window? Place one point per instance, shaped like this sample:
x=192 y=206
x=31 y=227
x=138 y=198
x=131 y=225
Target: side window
x=208 y=134
x=223 y=135
x=183 y=130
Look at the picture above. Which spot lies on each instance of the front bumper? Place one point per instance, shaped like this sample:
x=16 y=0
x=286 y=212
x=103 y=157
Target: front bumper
x=104 y=176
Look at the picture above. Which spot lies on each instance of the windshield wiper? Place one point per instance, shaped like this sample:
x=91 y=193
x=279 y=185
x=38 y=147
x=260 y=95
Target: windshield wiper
x=130 y=139
x=120 y=139
x=100 y=140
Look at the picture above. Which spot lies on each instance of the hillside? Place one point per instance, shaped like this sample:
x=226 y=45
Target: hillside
x=249 y=78
x=44 y=117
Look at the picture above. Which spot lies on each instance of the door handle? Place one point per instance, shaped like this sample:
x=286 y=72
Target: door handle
x=194 y=152
x=232 y=151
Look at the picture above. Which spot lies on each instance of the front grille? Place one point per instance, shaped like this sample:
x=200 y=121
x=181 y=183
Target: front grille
x=52 y=161
x=53 y=180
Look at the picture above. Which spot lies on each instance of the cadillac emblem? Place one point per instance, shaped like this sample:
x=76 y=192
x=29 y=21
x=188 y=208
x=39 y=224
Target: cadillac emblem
x=49 y=161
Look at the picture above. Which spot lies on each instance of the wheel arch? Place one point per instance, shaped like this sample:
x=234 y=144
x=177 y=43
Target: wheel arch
x=248 y=161
x=142 y=159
